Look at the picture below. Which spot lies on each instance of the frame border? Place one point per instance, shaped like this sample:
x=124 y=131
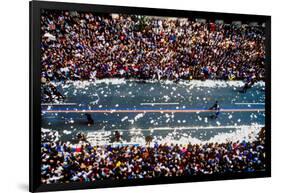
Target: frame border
x=35 y=83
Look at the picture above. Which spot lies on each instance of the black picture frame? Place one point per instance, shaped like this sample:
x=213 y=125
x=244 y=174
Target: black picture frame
x=35 y=107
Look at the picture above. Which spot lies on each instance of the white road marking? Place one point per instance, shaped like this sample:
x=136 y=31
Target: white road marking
x=188 y=128
x=208 y=127
x=58 y=104
x=150 y=111
x=152 y=104
x=249 y=103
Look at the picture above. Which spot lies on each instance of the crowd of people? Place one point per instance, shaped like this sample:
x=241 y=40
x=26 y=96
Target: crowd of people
x=63 y=162
x=87 y=46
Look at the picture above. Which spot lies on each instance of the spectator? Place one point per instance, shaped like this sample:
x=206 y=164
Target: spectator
x=84 y=46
